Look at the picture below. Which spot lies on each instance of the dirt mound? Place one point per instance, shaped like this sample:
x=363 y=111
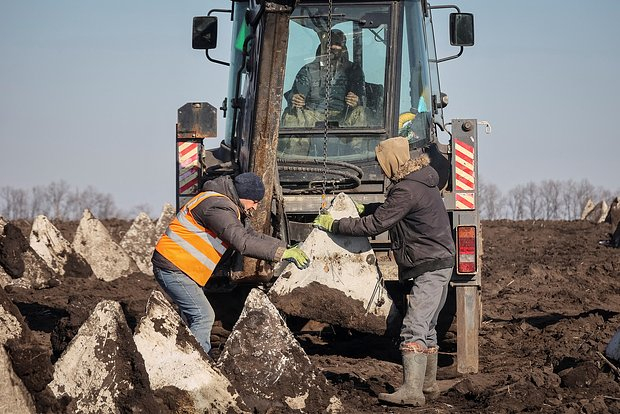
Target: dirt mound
x=551 y=303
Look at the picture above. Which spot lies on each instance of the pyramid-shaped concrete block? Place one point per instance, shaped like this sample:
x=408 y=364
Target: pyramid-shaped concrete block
x=342 y=286
x=49 y=244
x=587 y=209
x=21 y=262
x=167 y=214
x=173 y=358
x=29 y=358
x=139 y=242
x=598 y=213
x=14 y=397
x=268 y=366
x=107 y=259
x=38 y=275
x=613 y=216
x=100 y=369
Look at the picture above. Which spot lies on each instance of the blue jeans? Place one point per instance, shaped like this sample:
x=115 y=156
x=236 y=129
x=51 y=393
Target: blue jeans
x=427 y=297
x=194 y=306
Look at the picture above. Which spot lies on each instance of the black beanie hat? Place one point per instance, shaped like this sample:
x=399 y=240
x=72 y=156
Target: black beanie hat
x=249 y=186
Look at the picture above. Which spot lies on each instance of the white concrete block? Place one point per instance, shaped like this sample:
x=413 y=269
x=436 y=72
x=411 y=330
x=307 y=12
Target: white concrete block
x=107 y=259
x=139 y=242
x=167 y=214
x=49 y=244
x=91 y=370
x=171 y=360
x=342 y=286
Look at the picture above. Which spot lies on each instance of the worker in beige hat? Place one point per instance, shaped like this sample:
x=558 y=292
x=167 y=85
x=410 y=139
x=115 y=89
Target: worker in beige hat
x=421 y=239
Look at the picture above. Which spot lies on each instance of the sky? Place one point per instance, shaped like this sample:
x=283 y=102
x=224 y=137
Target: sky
x=89 y=91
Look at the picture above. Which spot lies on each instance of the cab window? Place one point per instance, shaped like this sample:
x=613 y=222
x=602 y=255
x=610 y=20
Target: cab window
x=336 y=74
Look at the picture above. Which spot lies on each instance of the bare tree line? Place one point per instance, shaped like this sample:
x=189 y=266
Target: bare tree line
x=547 y=200
x=58 y=201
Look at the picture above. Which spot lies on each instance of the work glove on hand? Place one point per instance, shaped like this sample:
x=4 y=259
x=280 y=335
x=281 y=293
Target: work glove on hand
x=324 y=221
x=297 y=256
x=359 y=207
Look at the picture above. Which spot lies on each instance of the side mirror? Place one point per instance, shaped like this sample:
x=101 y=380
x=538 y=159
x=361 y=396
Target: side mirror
x=204 y=32
x=461 y=29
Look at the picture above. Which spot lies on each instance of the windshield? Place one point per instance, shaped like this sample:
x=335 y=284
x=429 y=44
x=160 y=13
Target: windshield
x=338 y=72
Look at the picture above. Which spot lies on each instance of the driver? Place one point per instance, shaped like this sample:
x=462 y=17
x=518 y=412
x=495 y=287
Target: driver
x=307 y=98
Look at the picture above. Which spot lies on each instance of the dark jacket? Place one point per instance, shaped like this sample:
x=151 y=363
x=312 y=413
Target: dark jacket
x=310 y=82
x=416 y=218
x=219 y=214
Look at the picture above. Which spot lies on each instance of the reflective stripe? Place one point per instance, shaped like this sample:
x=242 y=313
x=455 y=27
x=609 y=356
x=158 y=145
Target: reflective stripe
x=190 y=249
x=216 y=243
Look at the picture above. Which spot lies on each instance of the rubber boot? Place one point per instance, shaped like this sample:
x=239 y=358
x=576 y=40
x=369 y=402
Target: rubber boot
x=431 y=389
x=410 y=393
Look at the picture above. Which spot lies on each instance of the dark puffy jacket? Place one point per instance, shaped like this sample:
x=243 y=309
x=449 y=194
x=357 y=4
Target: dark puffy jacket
x=219 y=214
x=417 y=221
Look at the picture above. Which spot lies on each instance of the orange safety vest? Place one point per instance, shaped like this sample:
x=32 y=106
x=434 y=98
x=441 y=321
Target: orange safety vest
x=189 y=246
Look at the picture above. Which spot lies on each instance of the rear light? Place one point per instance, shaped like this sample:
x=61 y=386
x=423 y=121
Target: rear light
x=466 y=249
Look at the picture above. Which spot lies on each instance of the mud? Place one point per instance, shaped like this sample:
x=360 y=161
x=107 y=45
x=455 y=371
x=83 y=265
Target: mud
x=550 y=305
x=317 y=301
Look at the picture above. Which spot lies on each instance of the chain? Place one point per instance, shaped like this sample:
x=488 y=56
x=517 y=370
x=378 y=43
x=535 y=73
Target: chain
x=328 y=87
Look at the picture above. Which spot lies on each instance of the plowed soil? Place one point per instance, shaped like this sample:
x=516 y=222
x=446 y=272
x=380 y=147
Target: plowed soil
x=550 y=305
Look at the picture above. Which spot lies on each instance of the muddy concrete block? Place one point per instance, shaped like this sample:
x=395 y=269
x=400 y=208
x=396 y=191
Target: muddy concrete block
x=268 y=366
x=49 y=244
x=101 y=369
x=343 y=277
x=12 y=323
x=598 y=213
x=29 y=359
x=139 y=242
x=14 y=397
x=173 y=358
x=107 y=259
x=613 y=216
x=24 y=266
x=167 y=214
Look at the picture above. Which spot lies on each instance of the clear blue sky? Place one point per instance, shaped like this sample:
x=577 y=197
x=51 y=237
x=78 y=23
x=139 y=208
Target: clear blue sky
x=89 y=91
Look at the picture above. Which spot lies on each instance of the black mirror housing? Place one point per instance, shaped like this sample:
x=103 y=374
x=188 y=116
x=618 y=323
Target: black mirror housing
x=461 y=29
x=204 y=32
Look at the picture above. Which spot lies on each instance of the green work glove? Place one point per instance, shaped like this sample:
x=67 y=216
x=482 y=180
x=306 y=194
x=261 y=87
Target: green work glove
x=324 y=221
x=297 y=256
x=359 y=207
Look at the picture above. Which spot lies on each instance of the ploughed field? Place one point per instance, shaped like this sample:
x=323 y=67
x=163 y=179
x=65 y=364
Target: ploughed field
x=550 y=306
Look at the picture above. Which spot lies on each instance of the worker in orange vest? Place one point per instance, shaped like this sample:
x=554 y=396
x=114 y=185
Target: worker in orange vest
x=206 y=228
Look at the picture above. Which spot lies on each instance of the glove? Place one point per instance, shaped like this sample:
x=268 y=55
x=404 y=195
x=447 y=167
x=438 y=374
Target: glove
x=297 y=256
x=324 y=221
x=359 y=207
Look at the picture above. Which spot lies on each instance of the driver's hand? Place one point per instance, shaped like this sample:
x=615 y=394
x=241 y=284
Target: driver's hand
x=298 y=100
x=352 y=99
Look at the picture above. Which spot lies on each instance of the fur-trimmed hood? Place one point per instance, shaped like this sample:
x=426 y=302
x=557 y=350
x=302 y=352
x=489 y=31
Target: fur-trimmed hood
x=411 y=166
x=395 y=160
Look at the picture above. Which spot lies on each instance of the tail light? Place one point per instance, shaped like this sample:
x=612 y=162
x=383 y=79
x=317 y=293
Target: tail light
x=466 y=249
